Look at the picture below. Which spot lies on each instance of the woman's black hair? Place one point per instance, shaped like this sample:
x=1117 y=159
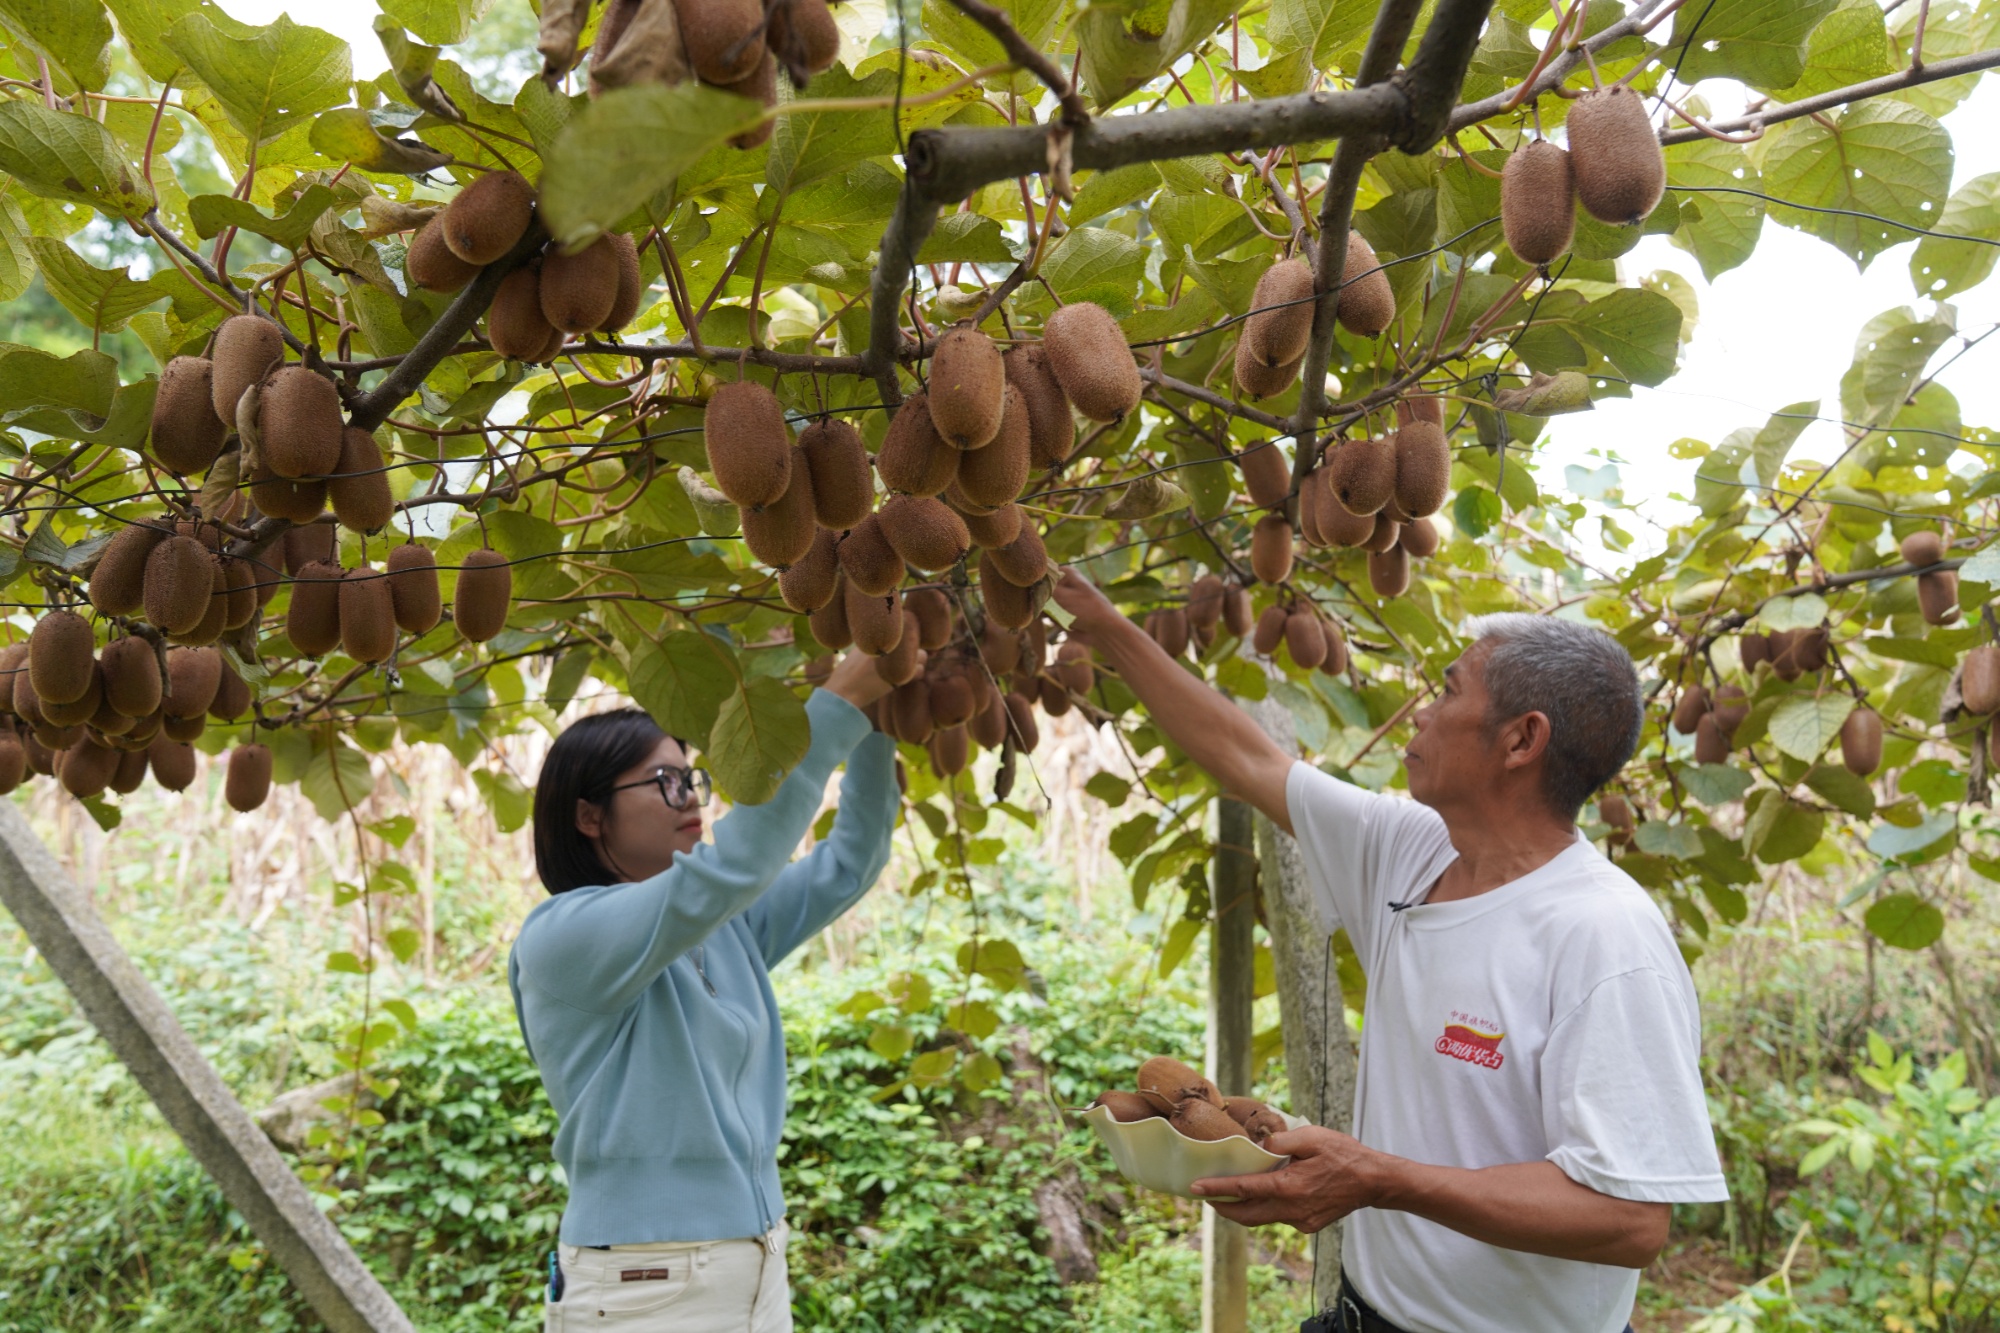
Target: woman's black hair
x=583 y=765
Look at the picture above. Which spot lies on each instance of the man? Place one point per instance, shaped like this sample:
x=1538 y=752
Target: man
x=1529 y=1102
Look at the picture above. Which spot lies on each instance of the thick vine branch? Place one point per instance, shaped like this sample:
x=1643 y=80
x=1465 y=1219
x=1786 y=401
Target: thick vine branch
x=995 y=21
x=1854 y=92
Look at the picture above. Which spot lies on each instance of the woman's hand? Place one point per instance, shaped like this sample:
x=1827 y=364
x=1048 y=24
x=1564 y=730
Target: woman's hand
x=856 y=680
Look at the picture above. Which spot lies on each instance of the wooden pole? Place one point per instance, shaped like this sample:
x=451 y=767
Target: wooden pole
x=1225 y=1246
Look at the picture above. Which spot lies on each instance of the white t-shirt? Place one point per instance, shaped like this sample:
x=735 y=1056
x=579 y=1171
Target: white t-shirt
x=1551 y=1018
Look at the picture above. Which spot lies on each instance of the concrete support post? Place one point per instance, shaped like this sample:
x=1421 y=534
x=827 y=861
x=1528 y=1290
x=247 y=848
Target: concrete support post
x=1225 y=1246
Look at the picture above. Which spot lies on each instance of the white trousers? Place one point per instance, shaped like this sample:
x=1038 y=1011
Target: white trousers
x=724 y=1286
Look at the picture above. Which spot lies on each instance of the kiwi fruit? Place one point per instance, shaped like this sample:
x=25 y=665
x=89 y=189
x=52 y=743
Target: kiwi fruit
x=61 y=657
x=187 y=435
x=296 y=500
x=1021 y=724
x=13 y=762
x=1810 y=647
x=780 y=533
x=988 y=726
x=915 y=459
x=118 y=582
x=1051 y=425
x=413 y=588
x=172 y=763
x=1537 y=202
x=1305 y=637
x=1423 y=469
x=724 y=39
x=60 y=738
x=215 y=617
x=760 y=86
x=1126 y=1107
x=1173 y=632
x=993 y=476
x=829 y=623
x=1164 y=1076
x=950 y=750
x=843 y=489
x=1199 y=1119
x=489 y=216
x=901 y=665
x=1615 y=811
x=368 y=615
x=1367 y=302
x=238 y=592
x=924 y=532
x=1384 y=533
x=1009 y=606
x=246 y=349
x=1024 y=561
x=870 y=563
x=1419 y=537
x=875 y=619
x=1267 y=473
x=232 y=696
x=1362 y=475
x=909 y=710
x=631 y=289
x=25 y=705
x=87 y=769
x=1784 y=662
x=429 y=262
x=132 y=682
x=1204 y=604
x=805 y=37
x=1389 y=572
x=965 y=389
x=193 y=676
x=1054 y=699
x=13 y=665
x=80 y=709
x=1710 y=745
x=1731 y=707
x=951 y=699
x=933 y=612
x=130 y=771
x=1615 y=156
x=1256 y=380
x=359 y=486
x=1753 y=649
x=298 y=417
x=1979 y=680
x=1861 y=742
x=996 y=529
x=1236 y=610
x=1937 y=596
x=312 y=622
x=107 y=721
x=515 y=324
x=749 y=447
x=1336 y=649
x=1280 y=323
x=999 y=649
x=812 y=580
x=1087 y=353
x=248 y=780
x=1271 y=549
x=1338 y=524
x=1922 y=548
x=578 y=291
x=179 y=580
x=1689 y=709
x=485 y=595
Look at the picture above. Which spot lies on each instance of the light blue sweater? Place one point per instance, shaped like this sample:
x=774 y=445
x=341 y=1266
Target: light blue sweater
x=668 y=1077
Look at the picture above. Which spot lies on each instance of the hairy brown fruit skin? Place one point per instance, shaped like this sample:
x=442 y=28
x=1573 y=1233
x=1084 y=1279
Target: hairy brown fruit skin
x=187 y=435
x=723 y=37
x=413 y=588
x=843 y=489
x=1979 y=681
x=193 y=676
x=132 y=682
x=999 y=649
x=238 y=592
x=908 y=711
x=359 y=486
x=1087 y=353
x=988 y=726
x=875 y=621
x=952 y=701
x=1615 y=155
x=81 y=709
x=1282 y=306
x=1051 y=425
x=965 y=388
x=1164 y=1076
x=813 y=578
x=1267 y=474
x=1367 y=302
x=515 y=324
x=13 y=762
x=1254 y=379
x=871 y=564
x=761 y=86
x=1362 y=475
x=915 y=459
x=579 y=291
x=1753 y=649
x=312 y=622
x=996 y=529
x=367 y=615
x=949 y=751
x=430 y=264
x=246 y=349
x=173 y=764
x=1538 y=202
x=130 y=773
x=232 y=696
x=62 y=660
x=180 y=578
x=749 y=448
x=901 y=665
x=829 y=623
x=925 y=533
x=485 y=219
x=249 y=778
x=295 y=501
x=1008 y=606
x=118 y=583
x=87 y=769
x=1271 y=549
x=1689 y=709
x=1385 y=534
x=1305 y=637
x=298 y=415
x=1023 y=561
x=1423 y=469
x=1937 y=596
x=1236 y=610
x=933 y=612
x=631 y=288
x=782 y=532
x=1861 y=742
x=995 y=475
x=1922 y=548
x=1419 y=537
x=1199 y=1119
x=1204 y=603
x=805 y=34
x=1389 y=572
x=1126 y=1107
x=485 y=595
x=1171 y=631
x=1021 y=724
x=1710 y=745
x=1338 y=525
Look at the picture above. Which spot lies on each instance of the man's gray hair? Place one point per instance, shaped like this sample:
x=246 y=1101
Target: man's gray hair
x=1577 y=676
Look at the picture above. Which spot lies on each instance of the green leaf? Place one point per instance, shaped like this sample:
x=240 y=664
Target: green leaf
x=211 y=213
x=341 y=960
x=759 y=736
x=965 y=237
x=812 y=144
x=628 y=145
x=61 y=156
x=74 y=34
x=1906 y=844
x=403 y=1012
x=395 y=830
x=1783 y=830
x=975 y=1018
x=1904 y=921
x=266 y=79
x=82 y=383
x=1720 y=230
x=1322 y=28
x=682 y=680
x=442 y=22
x=1941 y=268
x=16 y=265
x=999 y=961
x=1096 y=264
x=1638 y=331
x=1108 y=191
x=891 y=1041
x=1880 y=158
x=404 y=943
x=1679 y=841
x=1851 y=45
x=1804 y=726
x=336 y=780
x=1761 y=42
x=1834 y=784
x=509 y=801
x=975 y=48
x=1109 y=788
x=1180 y=939
x=1714 y=784
x=350 y=135
x=933 y=1067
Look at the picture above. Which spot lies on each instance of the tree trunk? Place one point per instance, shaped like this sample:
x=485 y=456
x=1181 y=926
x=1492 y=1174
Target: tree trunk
x=1319 y=1055
x=1232 y=991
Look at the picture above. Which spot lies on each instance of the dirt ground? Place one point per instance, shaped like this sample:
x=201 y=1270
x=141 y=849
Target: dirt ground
x=1685 y=1282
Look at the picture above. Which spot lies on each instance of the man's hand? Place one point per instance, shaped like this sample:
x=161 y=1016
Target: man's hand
x=856 y=680
x=1087 y=605
x=1330 y=1175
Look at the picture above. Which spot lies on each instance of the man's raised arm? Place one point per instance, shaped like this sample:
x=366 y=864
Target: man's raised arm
x=1213 y=731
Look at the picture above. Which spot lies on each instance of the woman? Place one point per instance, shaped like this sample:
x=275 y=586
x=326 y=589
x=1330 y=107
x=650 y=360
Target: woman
x=643 y=990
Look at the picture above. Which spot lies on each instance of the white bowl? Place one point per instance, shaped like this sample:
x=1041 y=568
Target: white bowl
x=1153 y=1155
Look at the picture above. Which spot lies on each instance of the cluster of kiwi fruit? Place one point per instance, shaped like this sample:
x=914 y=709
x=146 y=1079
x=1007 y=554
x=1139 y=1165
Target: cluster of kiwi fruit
x=1613 y=166
x=1272 y=345
x=98 y=721
x=1192 y=1104
x=1214 y=605
x=1937 y=589
x=596 y=289
x=1313 y=640
x=1712 y=717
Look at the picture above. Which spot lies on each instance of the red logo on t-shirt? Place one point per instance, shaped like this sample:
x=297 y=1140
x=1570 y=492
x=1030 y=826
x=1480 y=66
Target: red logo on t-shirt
x=1471 y=1045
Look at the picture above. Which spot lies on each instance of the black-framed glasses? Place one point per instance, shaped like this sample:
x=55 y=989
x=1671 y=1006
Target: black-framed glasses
x=679 y=787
